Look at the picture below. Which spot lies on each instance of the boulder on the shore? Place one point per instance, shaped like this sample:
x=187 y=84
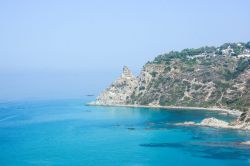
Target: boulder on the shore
x=245 y=143
x=241 y=123
x=213 y=122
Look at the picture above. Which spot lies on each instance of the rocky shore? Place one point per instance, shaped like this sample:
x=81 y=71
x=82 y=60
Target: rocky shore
x=242 y=123
x=121 y=91
x=221 y=110
x=246 y=143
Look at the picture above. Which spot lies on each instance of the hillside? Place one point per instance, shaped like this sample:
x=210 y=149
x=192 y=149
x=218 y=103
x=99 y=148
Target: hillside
x=204 y=77
x=220 y=81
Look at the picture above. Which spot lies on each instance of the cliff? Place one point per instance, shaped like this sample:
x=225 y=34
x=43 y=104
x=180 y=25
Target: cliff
x=120 y=91
x=208 y=77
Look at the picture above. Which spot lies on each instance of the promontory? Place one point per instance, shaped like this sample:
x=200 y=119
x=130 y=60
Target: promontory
x=204 y=78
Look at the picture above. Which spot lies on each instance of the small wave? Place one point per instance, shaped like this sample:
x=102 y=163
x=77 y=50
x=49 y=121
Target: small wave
x=174 y=145
x=8 y=117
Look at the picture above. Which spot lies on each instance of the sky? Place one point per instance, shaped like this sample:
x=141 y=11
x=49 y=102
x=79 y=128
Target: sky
x=70 y=48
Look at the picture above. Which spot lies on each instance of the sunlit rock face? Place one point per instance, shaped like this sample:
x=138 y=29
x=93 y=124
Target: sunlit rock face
x=120 y=91
x=213 y=122
x=243 y=122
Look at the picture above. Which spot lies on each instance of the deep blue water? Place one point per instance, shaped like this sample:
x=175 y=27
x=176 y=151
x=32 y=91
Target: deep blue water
x=66 y=132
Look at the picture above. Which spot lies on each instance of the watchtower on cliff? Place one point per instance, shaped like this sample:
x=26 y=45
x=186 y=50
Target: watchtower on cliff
x=126 y=72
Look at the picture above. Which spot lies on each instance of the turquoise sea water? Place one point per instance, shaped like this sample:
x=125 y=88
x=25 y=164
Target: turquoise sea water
x=68 y=133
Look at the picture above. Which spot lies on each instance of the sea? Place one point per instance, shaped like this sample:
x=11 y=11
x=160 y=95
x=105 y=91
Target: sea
x=67 y=132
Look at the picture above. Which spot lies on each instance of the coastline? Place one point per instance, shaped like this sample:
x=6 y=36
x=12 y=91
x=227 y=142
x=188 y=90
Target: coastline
x=221 y=110
x=216 y=123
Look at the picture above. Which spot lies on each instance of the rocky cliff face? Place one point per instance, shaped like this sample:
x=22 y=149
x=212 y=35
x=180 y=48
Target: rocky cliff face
x=219 y=81
x=204 y=77
x=243 y=122
x=120 y=91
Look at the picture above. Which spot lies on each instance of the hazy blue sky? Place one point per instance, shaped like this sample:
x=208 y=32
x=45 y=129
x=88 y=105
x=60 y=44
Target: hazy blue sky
x=58 y=48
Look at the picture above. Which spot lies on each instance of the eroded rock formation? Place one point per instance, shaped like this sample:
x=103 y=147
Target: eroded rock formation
x=120 y=91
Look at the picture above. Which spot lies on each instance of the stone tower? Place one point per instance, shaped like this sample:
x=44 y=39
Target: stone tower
x=126 y=72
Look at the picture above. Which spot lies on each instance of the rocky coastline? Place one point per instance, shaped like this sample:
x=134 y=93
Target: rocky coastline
x=121 y=91
x=235 y=113
x=241 y=123
x=207 y=78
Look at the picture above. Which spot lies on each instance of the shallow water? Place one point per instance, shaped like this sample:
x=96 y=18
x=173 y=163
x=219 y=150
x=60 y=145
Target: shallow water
x=66 y=132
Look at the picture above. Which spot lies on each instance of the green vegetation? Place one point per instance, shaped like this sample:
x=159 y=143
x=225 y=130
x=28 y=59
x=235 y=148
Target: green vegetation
x=202 y=77
x=141 y=88
x=247 y=45
x=221 y=85
x=167 y=69
x=153 y=73
x=237 y=48
x=241 y=66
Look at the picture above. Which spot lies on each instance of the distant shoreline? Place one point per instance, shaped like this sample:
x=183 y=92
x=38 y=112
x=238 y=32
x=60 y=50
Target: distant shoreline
x=222 y=110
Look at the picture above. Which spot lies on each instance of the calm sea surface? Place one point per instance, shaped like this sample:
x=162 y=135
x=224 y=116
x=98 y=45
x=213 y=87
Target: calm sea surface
x=68 y=133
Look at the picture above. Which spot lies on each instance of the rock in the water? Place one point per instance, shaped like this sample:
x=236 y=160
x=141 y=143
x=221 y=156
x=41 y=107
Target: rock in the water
x=246 y=143
x=242 y=123
x=213 y=122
